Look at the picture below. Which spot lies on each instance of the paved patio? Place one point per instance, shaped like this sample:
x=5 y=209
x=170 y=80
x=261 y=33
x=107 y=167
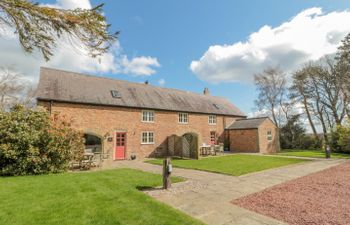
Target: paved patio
x=207 y=196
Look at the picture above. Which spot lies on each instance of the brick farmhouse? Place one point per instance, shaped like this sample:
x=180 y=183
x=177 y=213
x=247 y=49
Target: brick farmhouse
x=125 y=119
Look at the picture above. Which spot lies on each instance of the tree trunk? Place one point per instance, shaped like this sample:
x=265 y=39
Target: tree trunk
x=274 y=116
x=309 y=118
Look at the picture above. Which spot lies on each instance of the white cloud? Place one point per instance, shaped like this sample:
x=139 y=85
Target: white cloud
x=309 y=35
x=71 y=4
x=71 y=58
x=161 y=82
x=139 y=65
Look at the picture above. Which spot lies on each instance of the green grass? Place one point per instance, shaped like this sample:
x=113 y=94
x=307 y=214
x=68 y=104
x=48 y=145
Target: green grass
x=108 y=197
x=311 y=153
x=235 y=165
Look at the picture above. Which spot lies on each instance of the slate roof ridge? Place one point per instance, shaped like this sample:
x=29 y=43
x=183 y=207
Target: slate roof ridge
x=130 y=82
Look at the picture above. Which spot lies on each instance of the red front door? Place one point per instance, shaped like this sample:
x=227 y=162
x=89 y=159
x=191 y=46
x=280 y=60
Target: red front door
x=120 y=145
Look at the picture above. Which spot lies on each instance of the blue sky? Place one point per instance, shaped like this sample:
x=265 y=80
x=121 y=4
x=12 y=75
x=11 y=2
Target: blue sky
x=176 y=33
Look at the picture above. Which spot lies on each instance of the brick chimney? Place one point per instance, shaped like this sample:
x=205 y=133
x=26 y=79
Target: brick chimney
x=206 y=91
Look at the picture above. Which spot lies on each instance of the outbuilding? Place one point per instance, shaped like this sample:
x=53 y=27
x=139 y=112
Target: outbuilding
x=253 y=135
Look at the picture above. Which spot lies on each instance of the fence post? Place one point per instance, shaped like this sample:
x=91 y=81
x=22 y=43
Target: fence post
x=167 y=169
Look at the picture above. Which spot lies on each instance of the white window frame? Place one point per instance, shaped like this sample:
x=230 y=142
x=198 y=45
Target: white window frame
x=269 y=136
x=212 y=119
x=147 y=116
x=149 y=137
x=183 y=118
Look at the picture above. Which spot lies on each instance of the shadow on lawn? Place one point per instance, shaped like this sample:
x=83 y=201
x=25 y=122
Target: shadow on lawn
x=148 y=188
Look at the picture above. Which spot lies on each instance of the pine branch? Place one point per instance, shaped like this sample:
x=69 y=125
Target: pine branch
x=39 y=27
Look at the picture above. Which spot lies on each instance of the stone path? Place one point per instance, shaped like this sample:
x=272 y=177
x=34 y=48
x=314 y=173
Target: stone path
x=206 y=196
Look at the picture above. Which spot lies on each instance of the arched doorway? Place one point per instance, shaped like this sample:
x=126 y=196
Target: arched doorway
x=93 y=143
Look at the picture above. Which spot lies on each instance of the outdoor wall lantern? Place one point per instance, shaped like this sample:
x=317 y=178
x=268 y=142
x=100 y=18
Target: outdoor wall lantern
x=110 y=139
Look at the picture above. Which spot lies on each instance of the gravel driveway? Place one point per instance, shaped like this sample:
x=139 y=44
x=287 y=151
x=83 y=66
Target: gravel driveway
x=318 y=198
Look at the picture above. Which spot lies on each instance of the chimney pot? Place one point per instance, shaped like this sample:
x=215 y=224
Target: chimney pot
x=206 y=91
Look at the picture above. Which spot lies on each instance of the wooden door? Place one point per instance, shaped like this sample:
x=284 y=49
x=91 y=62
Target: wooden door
x=120 y=145
x=213 y=137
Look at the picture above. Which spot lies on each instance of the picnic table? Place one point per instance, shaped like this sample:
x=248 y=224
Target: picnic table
x=210 y=149
x=206 y=150
x=89 y=160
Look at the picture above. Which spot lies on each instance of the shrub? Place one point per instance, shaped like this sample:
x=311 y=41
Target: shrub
x=291 y=133
x=310 y=142
x=343 y=140
x=32 y=142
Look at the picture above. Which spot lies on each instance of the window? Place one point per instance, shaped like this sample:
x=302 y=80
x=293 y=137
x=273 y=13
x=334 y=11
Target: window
x=217 y=106
x=183 y=117
x=212 y=119
x=212 y=137
x=269 y=135
x=115 y=94
x=147 y=137
x=147 y=116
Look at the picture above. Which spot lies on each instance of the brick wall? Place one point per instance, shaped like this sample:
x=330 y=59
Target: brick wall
x=244 y=140
x=268 y=146
x=104 y=121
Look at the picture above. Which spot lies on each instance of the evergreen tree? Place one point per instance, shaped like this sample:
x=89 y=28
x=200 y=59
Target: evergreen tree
x=39 y=27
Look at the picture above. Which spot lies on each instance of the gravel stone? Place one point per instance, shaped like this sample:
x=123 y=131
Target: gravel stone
x=319 y=198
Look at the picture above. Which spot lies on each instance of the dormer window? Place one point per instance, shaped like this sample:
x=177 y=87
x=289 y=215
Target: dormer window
x=217 y=106
x=115 y=94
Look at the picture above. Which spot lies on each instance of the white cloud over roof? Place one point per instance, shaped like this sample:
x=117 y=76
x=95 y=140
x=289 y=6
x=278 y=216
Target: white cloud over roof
x=309 y=35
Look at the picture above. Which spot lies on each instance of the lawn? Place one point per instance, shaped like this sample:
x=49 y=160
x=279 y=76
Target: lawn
x=235 y=165
x=311 y=153
x=108 y=197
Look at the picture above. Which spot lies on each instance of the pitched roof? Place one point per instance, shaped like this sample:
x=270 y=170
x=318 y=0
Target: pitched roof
x=250 y=123
x=58 y=85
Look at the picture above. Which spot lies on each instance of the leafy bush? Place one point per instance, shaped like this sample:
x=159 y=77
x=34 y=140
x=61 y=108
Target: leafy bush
x=310 y=142
x=32 y=142
x=291 y=133
x=343 y=140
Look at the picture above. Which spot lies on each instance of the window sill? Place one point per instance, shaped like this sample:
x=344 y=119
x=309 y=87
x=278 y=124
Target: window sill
x=152 y=143
x=183 y=123
x=147 y=121
x=212 y=123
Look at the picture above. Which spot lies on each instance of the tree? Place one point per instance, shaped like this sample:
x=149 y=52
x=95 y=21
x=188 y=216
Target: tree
x=299 y=92
x=32 y=142
x=14 y=90
x=344 y=137
x=39 y=27
x=271 y=85
x=292 y=133
x=343 y=69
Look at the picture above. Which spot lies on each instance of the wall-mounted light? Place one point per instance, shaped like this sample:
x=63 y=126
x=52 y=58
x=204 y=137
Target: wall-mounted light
x=110 y=139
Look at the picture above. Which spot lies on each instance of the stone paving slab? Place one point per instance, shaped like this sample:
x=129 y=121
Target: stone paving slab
x=207 y=196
